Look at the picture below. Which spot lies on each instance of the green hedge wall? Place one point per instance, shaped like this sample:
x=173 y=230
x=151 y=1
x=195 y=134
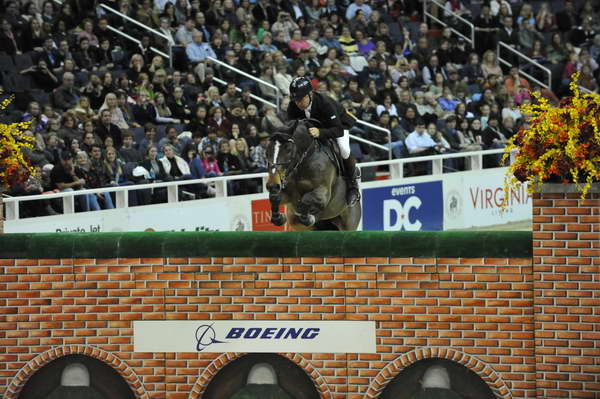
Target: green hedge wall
x=491 y=244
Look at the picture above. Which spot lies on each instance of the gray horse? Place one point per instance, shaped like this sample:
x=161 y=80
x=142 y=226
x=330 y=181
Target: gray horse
x=303 y=176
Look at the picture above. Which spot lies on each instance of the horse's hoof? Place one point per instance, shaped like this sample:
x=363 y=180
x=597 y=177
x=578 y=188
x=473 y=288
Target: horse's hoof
x=279 y=219
x=307 y=220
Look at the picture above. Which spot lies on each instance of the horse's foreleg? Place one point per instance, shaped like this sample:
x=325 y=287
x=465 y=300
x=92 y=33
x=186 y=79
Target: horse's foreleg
x=311 y=205
x=277 y=218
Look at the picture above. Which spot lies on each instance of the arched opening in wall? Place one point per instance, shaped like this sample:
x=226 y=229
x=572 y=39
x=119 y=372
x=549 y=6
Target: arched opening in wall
x=76 y=376
x=261 y=375
x=437 y=378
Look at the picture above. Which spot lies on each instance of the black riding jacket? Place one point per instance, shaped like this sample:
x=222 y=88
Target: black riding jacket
x=334 y=119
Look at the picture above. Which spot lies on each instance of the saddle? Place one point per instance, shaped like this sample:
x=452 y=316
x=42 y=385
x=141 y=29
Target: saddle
x=332 y=150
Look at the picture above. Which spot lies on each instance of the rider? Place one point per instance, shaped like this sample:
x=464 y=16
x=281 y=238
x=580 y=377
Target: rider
x=335 y=124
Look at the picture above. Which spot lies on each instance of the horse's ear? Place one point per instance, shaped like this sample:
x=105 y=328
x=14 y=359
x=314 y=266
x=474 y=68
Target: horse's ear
x=287 y=129
x=279 y=136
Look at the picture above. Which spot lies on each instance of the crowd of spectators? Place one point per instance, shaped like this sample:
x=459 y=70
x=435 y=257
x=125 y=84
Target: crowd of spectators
x=106 y=111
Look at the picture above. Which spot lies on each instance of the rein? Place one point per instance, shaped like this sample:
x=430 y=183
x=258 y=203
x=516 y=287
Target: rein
x=290 y=172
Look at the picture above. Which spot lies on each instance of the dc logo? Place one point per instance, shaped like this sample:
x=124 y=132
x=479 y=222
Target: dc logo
x=206 y=336
x=397 y=217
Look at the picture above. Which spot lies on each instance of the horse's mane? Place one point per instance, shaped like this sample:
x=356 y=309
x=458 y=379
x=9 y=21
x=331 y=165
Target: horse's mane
x=296 y=130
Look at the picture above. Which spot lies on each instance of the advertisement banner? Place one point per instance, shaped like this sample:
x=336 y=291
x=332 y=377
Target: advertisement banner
x=484 y=196
x=218 y=214
x=261 y=216
x=217 y=336
x=407 y=207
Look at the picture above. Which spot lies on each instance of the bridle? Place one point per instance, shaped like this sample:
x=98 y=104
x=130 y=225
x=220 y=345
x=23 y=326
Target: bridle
x=291 y=167
x=290 y=171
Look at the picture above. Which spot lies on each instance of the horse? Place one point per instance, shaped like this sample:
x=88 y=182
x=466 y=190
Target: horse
x=303 y=176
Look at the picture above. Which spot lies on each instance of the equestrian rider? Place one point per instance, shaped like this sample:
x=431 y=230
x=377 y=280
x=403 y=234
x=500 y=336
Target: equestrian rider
x=335 y=124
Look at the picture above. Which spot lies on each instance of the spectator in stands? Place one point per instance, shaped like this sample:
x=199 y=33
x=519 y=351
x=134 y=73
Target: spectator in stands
x=527 y=35
x=442 y=146
x=88 y=33
x=358 y=5
x=285 y=25
x=489 y=64
x=93 y=179
x=83 y=111
x=162 y=110
x=116 y=115
x=185 y=34
x=66 y=177
x=259 y=153
x=154 y=166
x=66 y=96
x=197 y=52
x=209 y=162
x=69 y=130
x=419 y=142
x=212 y=140
x=108 y=129
x=172 y=139
x=486 y=28
x=514 y=83
x=149 y=138
x=127 y=152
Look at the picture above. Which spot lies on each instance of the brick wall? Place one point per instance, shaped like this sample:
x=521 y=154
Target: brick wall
x=478 y=312
x=567 y=293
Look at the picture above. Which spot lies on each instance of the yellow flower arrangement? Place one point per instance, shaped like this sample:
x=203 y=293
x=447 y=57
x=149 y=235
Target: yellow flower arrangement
x=13 y=165
x=561 y=145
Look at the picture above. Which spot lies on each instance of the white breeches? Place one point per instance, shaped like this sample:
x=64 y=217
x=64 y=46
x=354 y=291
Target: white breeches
x=344 y=144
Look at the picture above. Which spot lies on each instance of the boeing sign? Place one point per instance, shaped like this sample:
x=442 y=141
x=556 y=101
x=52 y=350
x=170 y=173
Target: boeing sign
x=254 y=336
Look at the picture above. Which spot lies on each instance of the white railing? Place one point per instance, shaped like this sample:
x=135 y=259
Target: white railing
x=502 y=45
x=372 y=144
x=396 y=167
x=122 y=192
x=247 y=75
x=145 y=27
x=474 y=161
x=257 y=98
x=136 y=41
x=426 y=13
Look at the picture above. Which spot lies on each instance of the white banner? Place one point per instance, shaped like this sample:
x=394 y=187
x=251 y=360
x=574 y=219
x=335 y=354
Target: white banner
x=474 y=199
x=217 y=336
x=215 y=214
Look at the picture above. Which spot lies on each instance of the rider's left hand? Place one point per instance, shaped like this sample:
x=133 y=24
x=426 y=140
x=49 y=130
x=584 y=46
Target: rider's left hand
x=314 y=131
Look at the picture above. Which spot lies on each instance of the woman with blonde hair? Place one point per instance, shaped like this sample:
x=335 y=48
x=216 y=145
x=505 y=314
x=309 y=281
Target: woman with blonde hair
x=116 y=115
x=136 y=67
x=143 y=85
x=83 y=111
x=489 y=64
x=157 y=63
x=163 y=113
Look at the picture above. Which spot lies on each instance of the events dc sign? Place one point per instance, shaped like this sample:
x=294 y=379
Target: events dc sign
x=409 y=207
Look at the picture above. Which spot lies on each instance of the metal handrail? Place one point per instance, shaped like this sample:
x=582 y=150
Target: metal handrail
x=146 y=27
x=257 y=98
x=426 y=14
x=272 y=86
x=133 y=39
x=138 y=23
x=121 y=193
x=530 y=60
x=372 y=144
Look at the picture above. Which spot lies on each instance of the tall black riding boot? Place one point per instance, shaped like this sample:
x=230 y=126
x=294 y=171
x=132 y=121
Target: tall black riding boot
x=352 y=174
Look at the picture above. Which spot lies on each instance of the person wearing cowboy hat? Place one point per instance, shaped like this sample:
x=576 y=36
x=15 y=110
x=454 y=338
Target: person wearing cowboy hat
x=259 y=153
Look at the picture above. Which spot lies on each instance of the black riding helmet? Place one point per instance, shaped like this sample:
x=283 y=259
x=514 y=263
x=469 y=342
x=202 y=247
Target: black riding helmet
x=299 y=88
